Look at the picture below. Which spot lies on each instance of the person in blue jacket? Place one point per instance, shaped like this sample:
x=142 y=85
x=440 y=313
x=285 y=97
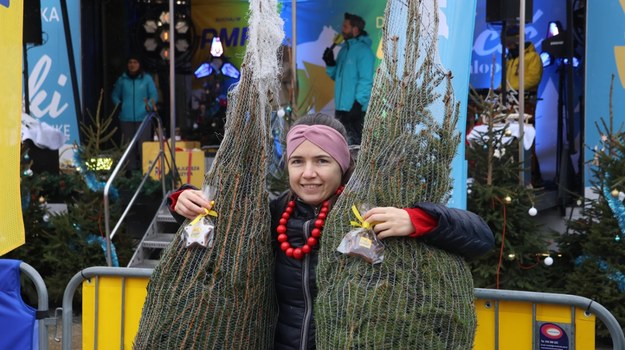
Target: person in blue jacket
x=352 y=72
x=136 y=92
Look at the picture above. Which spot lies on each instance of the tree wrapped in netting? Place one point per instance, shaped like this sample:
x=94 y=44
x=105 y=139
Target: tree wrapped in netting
x=419 y=297
x=222 y=297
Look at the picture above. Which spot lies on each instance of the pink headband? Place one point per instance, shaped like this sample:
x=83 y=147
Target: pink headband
x=324 y=137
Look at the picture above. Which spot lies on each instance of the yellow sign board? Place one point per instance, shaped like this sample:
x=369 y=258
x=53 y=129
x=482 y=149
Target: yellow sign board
x=189 y=161
x=10 y=124
x=510 y=323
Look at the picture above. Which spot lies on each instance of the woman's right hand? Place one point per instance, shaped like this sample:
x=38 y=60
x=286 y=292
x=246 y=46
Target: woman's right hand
x=191 y=203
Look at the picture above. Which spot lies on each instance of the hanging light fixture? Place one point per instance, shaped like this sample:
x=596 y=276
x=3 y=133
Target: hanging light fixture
x=218 y=63
x=164 y=35
x=228 y=69
x=182 y=45
x=150 y=26
x=203 y=70
x=165 y=53
x=182 y=27
x=164 y=17
x=216 y=48
x=154 y=36
x=150 y=44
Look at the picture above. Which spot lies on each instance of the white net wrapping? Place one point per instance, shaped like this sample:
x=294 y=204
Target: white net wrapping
x=223 y=297
x=419 y=297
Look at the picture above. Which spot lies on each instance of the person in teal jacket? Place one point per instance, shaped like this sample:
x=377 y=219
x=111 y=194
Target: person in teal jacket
x=136 y=92
x=352 y=72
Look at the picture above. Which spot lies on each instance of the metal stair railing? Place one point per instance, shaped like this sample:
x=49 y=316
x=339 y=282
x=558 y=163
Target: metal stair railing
x=159 y=157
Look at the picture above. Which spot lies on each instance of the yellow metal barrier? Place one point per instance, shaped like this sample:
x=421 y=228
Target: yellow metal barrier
x=518 y=331
x=111 y=311
x=512 y=320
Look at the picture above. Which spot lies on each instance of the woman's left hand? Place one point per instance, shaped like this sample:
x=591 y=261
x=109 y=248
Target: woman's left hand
x=389 y=222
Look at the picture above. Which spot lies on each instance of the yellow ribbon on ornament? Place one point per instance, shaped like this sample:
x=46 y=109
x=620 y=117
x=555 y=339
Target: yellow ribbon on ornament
x=206 y=212
x=361 y=222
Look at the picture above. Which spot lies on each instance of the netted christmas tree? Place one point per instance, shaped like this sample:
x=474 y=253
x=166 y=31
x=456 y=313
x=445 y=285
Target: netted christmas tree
x=223 y=297
x=595 y=246
x=507 y=205
x=419 y=297
x=277 y=177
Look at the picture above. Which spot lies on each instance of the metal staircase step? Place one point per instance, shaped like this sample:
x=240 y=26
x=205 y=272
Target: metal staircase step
x=164 y=215
x=157 y=237
x=149 y=264
x=158 y=240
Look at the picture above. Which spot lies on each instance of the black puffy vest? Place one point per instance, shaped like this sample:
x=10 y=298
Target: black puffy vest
x=295 y=280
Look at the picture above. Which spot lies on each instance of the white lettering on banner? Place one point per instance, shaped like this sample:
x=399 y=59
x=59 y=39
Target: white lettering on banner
x=489 y=41
x=64 y=128
x=379 y=22
x=50 y=14
x=38 y=96
x=483 y=68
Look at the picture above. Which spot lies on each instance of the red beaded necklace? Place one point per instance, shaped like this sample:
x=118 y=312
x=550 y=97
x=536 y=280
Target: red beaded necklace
x=315 y=234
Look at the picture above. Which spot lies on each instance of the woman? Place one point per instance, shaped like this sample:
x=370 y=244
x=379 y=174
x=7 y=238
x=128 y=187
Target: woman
x=319 y=164
x=136 y=92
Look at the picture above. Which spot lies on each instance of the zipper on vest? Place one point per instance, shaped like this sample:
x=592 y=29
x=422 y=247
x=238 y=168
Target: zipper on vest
x=307 y=296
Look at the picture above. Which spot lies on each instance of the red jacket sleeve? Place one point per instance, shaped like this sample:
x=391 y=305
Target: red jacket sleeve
x=173 y=199
x=422 y=222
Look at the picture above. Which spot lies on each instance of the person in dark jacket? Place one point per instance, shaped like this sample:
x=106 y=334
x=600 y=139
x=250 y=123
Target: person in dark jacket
x=319 y=164
x=136 y=92
x=352 y=72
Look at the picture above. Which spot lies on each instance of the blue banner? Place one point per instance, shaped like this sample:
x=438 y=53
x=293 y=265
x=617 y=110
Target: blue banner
x=455 y=37
x=49 y=80
x=605 y=56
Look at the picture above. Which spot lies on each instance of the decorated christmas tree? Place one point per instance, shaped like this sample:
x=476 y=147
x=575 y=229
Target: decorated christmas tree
x=495 y=193
x=59 y=243
x=595 y=246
